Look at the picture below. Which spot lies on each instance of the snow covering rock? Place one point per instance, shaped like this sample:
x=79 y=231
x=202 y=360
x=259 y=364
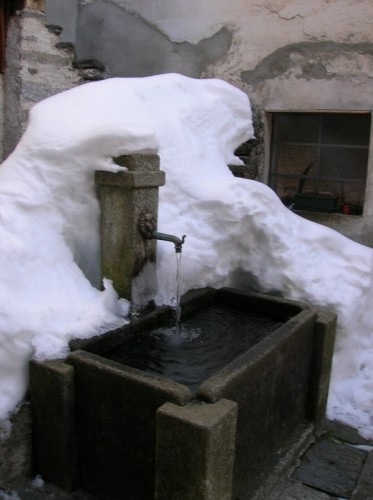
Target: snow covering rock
x=237 y=230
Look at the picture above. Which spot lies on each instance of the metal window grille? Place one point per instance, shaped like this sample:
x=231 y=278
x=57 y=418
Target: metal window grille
x=319 y=160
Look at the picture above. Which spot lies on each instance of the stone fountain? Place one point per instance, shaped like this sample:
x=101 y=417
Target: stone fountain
x=120 y=432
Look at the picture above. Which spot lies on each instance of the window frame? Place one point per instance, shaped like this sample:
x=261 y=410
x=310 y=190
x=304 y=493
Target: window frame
x=274 y=144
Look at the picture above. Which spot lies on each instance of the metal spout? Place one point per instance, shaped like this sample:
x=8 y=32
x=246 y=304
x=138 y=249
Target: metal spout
x=147 y=226
x=169 y=237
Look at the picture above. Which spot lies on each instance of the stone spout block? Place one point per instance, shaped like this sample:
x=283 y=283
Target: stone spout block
x=125 y=254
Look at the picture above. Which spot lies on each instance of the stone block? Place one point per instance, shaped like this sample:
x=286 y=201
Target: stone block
x=195 y=451
x=364 y=488
x=139 y=162
x=16 y=447
x=270 y=384
x=116 y=411
x=124 y=198
x=322 y=356
x=52 y=396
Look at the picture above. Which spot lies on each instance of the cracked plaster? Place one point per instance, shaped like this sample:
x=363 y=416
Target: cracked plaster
x=130 y=46
x=311 y=60
x=286 y=54
x=255 y=28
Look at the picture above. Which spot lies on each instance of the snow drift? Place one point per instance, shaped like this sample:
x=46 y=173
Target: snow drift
x=238 y=231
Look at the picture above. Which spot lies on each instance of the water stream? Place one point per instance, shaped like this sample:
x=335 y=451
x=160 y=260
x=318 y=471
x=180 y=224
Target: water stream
x=178 y=293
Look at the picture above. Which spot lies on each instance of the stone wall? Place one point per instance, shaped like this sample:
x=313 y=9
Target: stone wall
x=16 y=448
x=36 y=68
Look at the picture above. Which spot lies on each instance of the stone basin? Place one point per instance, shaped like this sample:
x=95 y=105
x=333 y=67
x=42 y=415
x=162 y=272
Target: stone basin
x=122 y=433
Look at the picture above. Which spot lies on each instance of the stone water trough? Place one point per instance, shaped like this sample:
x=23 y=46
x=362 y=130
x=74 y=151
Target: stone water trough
x=122 y=433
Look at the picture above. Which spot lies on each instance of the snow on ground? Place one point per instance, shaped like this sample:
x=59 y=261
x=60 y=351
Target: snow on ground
x=237 y=230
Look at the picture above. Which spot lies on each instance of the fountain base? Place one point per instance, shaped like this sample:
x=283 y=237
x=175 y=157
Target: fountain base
x=120 y=432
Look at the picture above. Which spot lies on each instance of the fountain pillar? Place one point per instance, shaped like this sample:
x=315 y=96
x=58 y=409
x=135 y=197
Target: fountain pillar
x=195 y=450
x=127 y=258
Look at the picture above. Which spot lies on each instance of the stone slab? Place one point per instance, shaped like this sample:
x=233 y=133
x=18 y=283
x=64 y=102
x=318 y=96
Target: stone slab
x=364 y=489
x=343 y=432
x=297 y=491
x=332 y=468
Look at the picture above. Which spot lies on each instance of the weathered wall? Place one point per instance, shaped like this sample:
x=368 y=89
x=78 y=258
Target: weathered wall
x=35 y=69
x=286 y=54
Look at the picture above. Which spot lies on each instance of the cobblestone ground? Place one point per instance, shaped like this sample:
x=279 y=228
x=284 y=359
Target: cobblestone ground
x=339 y=464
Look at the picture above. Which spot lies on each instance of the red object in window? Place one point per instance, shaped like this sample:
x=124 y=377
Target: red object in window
x=346 y=209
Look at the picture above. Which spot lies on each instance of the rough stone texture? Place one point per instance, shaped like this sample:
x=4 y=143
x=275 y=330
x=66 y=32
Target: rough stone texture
x=331 y=467
x=35 y=69
x=343 y=432
x=16 y=447
x=272 y=408
x=252 y=152
x=37 y=489
x=116 y=411
x=125 y=254
x=52 y=395
x=12 y=114
x=277 y=478
x=364 y=488
x=323 y=348
x=195 y=451
x=297 y=491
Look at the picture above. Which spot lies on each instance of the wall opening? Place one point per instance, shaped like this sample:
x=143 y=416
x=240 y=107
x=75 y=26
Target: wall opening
x=7 y=9
x=319 y=160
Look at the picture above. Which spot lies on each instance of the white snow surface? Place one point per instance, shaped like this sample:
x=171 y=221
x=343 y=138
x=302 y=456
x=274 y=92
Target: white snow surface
x=237 y=230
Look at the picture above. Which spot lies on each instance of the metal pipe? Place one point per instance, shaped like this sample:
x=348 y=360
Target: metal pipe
x=169 y=237
x=147 y=226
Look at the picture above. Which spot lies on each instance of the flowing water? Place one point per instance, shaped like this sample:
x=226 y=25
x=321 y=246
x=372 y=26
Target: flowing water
x=203 y=344
x=178 y=293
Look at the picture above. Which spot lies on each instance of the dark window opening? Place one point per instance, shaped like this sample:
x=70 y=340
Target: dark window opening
x=7 y=9
x=319 y=160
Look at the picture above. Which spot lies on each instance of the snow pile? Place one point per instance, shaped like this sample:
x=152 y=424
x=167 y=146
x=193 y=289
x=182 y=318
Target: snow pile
x=238 y=231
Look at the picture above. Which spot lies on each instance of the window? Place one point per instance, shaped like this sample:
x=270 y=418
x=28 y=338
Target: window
x=319 y=160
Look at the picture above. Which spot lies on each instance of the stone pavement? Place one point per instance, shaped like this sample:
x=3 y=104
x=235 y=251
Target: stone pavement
x=338 y=464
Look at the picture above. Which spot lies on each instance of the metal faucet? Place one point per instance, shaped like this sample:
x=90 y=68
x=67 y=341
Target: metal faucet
x=147 y=229
x=170 y=237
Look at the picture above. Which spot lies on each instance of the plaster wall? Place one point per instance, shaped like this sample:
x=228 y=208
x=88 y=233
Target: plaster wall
x=64 y=14
x=286 y=54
